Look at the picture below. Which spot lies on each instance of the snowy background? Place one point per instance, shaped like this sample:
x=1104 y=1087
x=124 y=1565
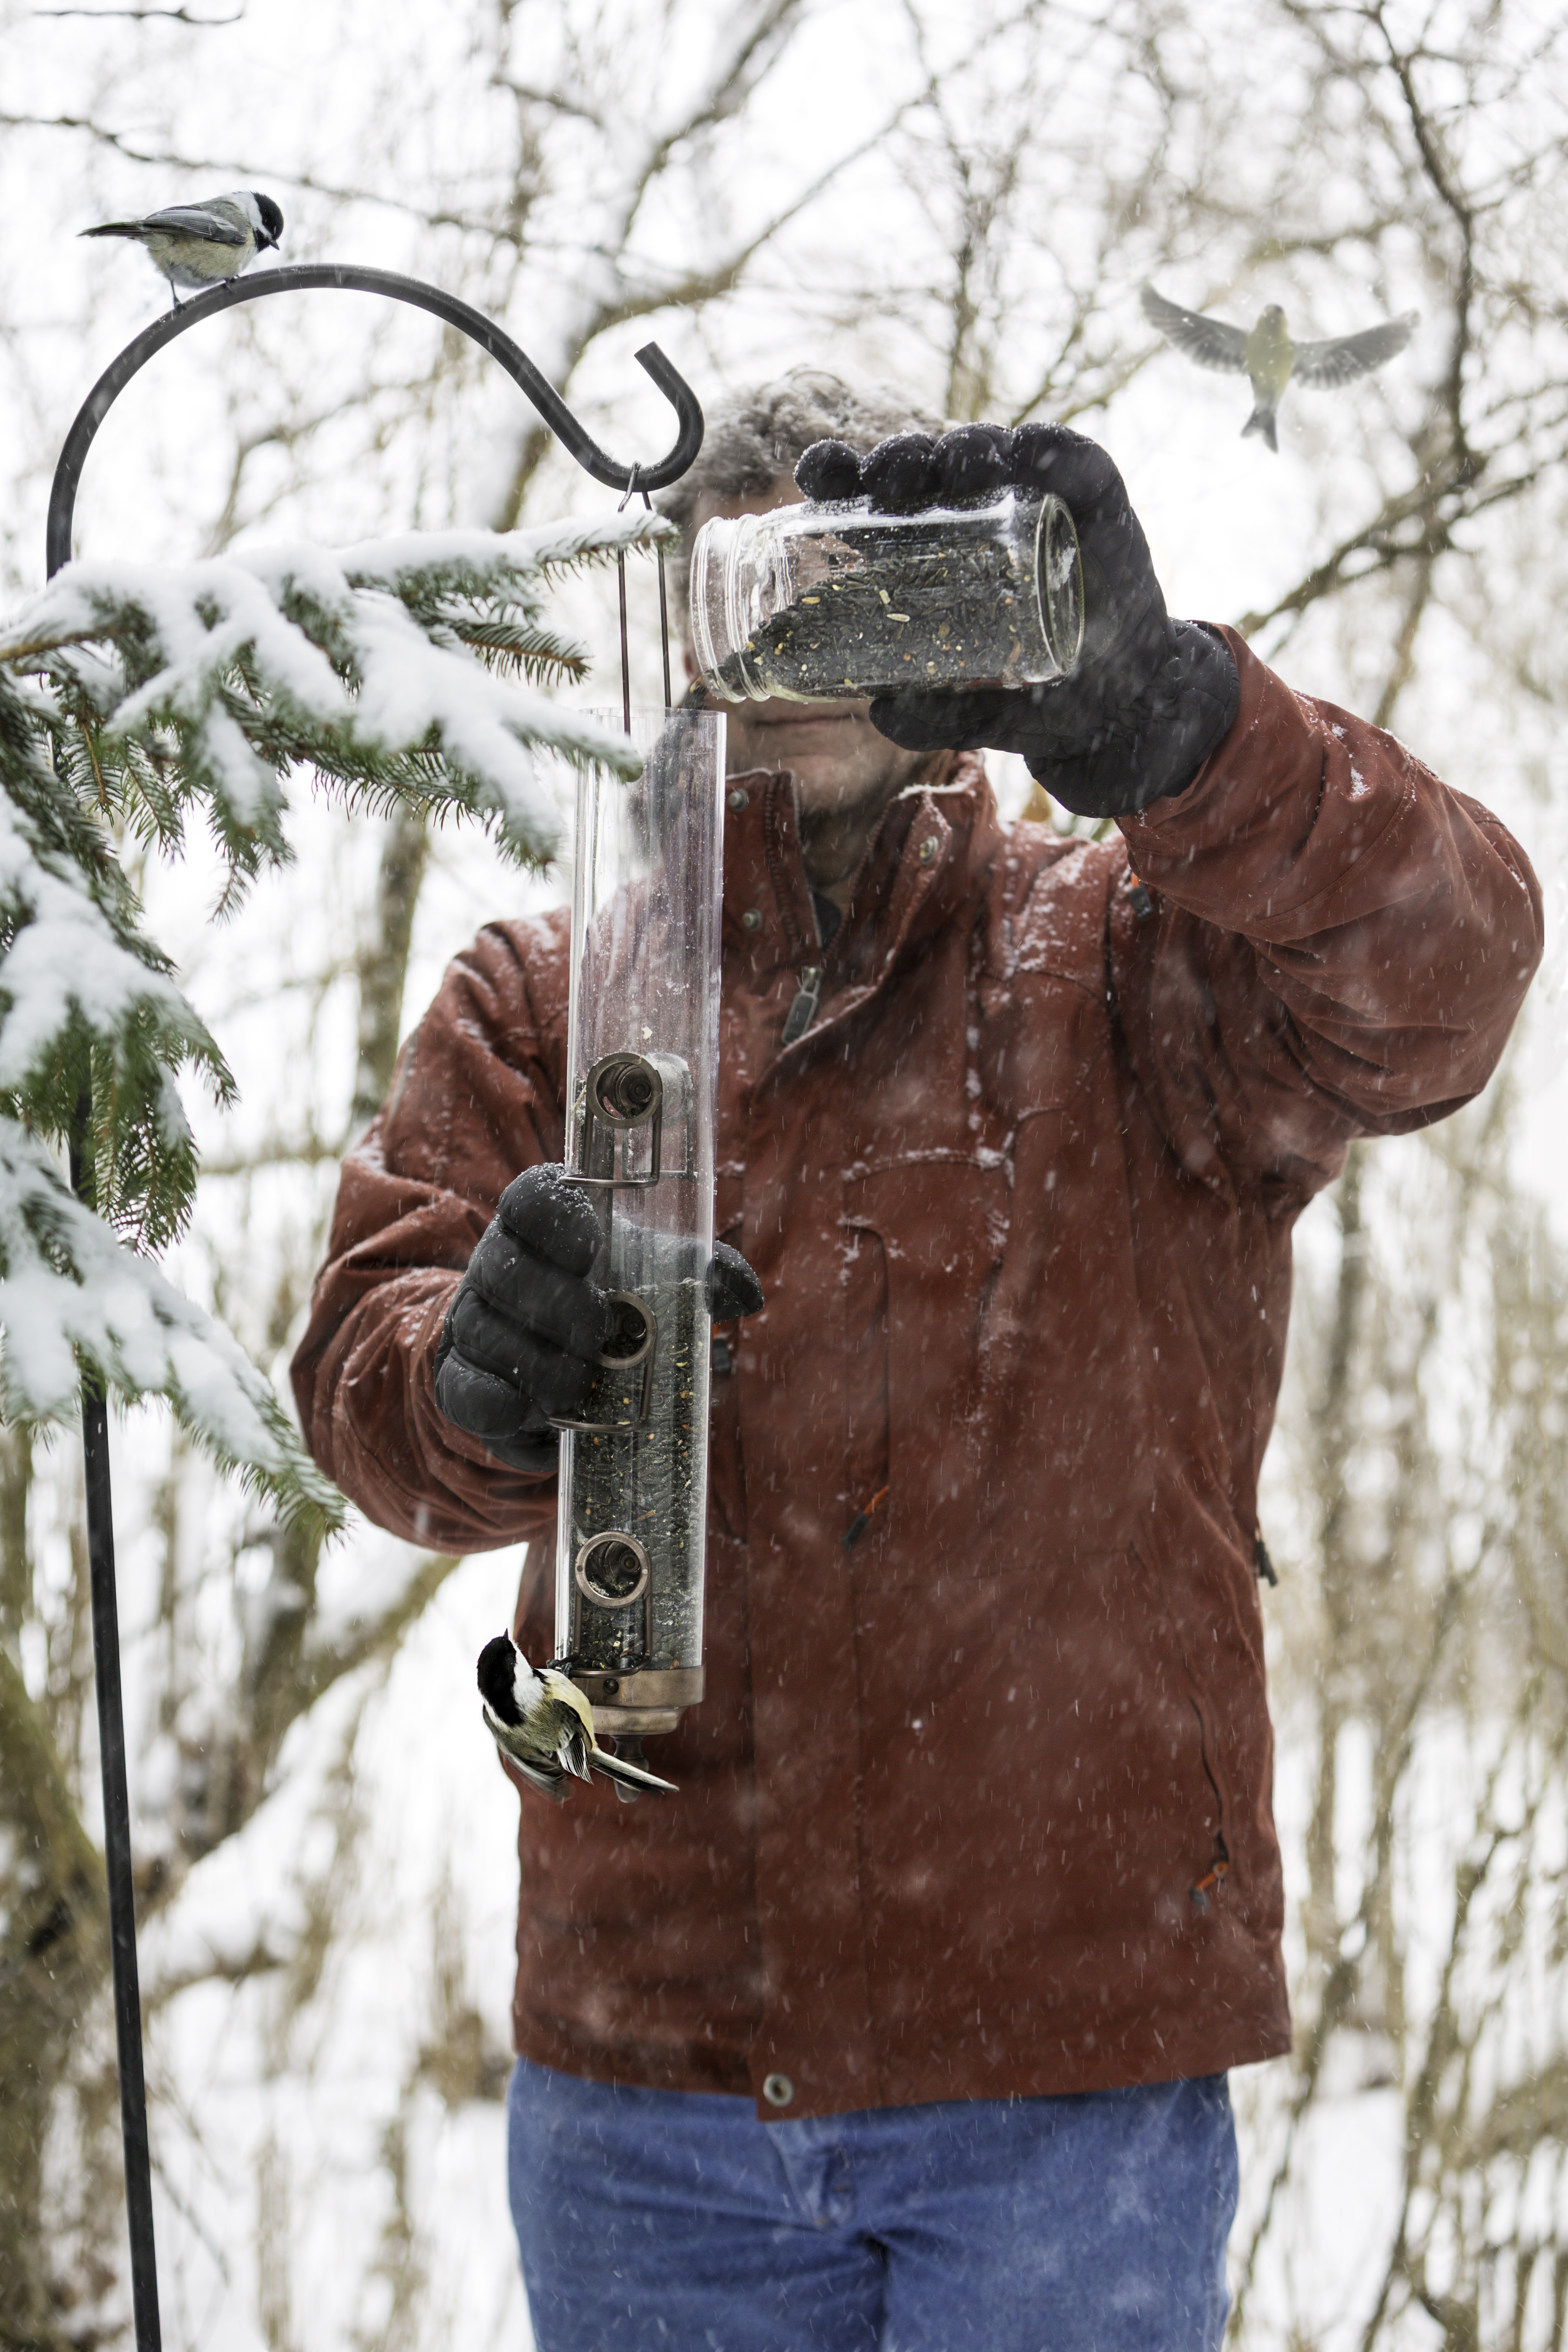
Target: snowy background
x=963 y=201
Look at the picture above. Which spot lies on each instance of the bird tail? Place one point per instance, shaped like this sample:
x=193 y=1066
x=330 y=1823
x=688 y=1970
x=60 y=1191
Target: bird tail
x=629 y=1775
x=112 y=228
x=1262 y=421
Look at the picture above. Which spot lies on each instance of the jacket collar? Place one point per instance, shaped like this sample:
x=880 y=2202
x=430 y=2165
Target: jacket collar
x=929 y=856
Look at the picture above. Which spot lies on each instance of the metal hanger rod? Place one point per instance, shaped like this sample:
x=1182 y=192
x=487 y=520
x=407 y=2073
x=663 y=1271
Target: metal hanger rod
x=345 y=277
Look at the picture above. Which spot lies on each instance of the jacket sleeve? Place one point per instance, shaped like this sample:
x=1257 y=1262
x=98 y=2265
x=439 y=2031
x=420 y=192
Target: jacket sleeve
x=1338 y=944
x=477 y=1097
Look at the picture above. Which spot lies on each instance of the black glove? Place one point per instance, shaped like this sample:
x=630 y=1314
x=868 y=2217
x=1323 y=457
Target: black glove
x=522 y=1333
x=1151 y=697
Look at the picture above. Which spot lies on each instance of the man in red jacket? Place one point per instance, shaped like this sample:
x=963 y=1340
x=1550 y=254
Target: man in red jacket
x=907 y=2023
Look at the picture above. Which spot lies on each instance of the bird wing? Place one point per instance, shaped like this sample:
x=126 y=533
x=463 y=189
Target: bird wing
x=1342 y=358
x=579 y=1750
x=574 y=1742
x=1209 y=342
x=194 y=220
x=547 y=1777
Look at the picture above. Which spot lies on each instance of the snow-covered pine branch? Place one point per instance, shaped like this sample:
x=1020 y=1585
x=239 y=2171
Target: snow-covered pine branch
x=139 y=696
x=73 y=1298
x=202 y=682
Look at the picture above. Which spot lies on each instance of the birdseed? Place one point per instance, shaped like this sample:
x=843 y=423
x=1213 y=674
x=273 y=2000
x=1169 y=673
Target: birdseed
x=650 y=1483
x=884 y=604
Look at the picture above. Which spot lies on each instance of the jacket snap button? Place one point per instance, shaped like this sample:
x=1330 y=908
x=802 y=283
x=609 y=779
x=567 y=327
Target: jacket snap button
x=750 y=920
x=778 y=2090
x=740 y=800
x=927 y=849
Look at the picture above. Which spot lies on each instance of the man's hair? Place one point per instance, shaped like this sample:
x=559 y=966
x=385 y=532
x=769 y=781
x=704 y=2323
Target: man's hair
x=757 y=434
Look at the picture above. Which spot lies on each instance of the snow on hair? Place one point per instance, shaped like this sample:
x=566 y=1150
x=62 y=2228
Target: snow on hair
x=757 y=434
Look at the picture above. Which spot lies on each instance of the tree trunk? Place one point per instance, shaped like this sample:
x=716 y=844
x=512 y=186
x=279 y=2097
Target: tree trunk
x=54 y=1962
x=1332 y=1415
x=383 y=962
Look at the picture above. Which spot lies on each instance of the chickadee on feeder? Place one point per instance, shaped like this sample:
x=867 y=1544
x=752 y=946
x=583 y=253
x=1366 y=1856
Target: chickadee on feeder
x=542 y=1723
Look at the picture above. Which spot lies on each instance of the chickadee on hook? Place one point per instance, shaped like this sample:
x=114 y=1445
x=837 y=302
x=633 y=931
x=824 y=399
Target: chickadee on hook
x=544 y=1725
x=196 y=246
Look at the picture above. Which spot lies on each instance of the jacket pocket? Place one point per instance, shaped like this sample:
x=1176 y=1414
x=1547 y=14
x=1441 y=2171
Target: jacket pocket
x=923 y=1240
x=1210 y=1861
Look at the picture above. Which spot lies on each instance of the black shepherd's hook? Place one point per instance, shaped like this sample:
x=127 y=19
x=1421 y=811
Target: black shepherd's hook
x=94 y=1406
x=299 y=279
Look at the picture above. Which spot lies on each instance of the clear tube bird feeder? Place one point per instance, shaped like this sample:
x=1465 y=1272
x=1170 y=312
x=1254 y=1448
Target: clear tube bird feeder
x=641 y=1091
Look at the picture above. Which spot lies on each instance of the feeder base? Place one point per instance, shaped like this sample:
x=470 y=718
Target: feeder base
x=648 y=1702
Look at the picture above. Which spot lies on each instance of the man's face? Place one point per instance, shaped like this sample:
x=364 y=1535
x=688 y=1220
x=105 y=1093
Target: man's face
x=838 y=760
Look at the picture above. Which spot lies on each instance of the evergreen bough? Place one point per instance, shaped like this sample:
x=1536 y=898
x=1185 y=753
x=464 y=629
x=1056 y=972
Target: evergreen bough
x=133 y=699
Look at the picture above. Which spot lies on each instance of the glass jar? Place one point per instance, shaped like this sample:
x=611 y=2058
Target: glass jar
x=812 y=601
x=642 y=1086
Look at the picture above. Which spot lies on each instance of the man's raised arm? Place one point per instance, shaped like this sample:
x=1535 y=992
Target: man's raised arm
x=1339 y=942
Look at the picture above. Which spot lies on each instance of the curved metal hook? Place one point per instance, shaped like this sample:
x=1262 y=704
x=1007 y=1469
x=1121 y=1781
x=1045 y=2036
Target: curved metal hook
x=297 y=278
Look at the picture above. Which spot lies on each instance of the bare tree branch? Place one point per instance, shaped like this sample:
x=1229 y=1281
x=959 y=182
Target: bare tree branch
x=148 y=16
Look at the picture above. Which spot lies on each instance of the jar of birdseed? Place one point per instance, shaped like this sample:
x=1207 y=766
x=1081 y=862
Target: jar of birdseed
x=814 y=602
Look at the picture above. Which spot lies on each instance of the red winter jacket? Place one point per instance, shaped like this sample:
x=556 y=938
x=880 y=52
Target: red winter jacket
x=981 y=1807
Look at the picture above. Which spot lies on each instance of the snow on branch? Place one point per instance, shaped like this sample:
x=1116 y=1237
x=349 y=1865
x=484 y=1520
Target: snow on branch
x=90 y=1018
x=136 y=698
x=72 y=1297
x=368 y=665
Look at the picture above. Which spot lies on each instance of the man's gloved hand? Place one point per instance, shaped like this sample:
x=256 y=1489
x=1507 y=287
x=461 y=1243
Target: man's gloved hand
x=1151 y=697
x=523 y=1332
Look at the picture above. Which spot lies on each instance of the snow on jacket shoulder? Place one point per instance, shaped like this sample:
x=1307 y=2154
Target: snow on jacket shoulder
x=981 y=1806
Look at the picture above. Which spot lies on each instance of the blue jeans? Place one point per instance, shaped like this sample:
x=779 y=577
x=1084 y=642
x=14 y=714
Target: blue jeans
x=648 y=2218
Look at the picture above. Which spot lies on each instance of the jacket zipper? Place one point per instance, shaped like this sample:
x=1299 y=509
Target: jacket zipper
x=803 y=1011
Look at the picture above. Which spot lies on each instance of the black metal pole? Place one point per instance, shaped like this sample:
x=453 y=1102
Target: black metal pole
x=342 y=277
x=117 y=1820
x=116 y=1855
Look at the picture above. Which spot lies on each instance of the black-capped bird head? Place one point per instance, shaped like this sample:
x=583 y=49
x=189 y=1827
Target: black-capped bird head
x=498 y=1672
x=269 y=219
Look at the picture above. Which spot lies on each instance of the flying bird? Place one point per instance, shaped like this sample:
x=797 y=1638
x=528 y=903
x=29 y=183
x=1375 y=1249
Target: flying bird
x=1269 y=357
x=544 y=1726
x=200 y=244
